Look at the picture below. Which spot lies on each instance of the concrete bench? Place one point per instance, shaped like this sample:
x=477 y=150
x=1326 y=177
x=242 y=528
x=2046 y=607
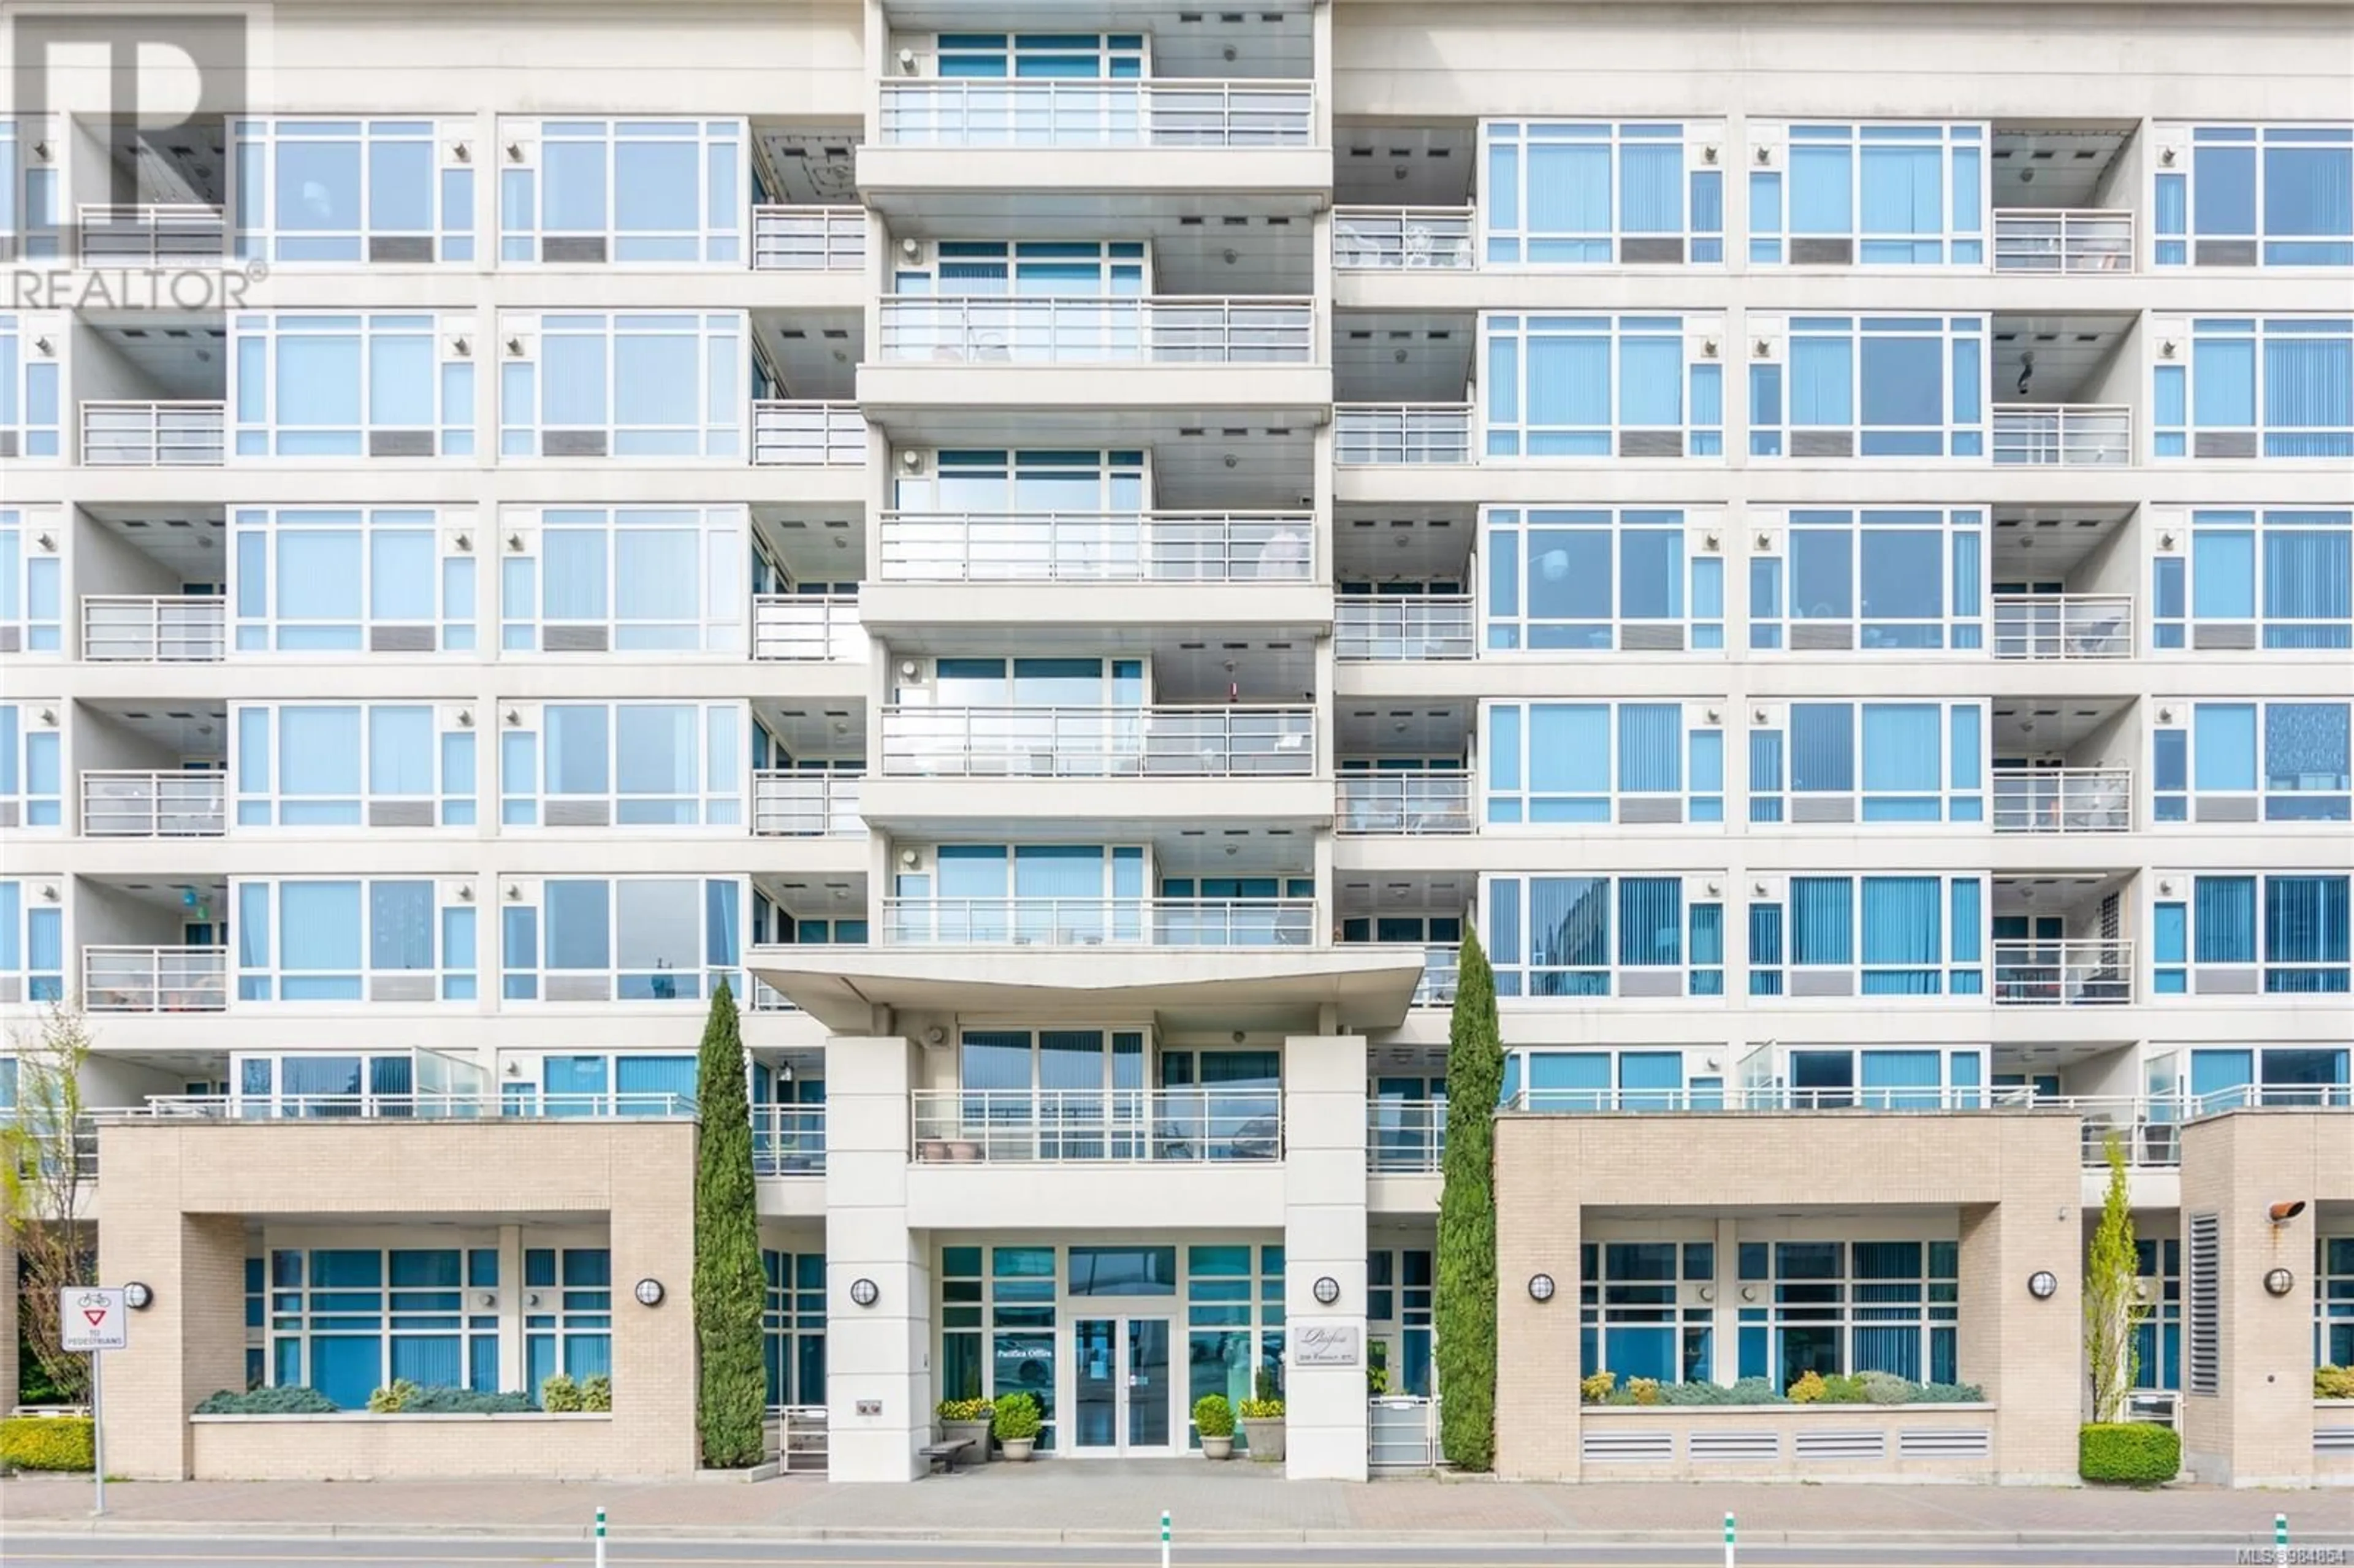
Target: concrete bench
x=944 y=1455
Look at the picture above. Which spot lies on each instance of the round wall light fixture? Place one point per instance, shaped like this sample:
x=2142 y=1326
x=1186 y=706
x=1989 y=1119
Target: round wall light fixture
x=864 y=1292
x=2044 y=1285
x=138 y=1298
x=1328 y=1290
x=2279 y=1282
x=1540 y=1287
x=649 y=1292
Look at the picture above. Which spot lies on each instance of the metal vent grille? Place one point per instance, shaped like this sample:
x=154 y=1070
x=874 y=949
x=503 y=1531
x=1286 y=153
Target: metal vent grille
x=1822 y=252
x=1835 y=809
x=12 y=988
x=1638 y=809
x=9 y=814
x=573 y=638
x=1651 y=639
x=2234 y=981
x=401 y=247
x=2223 y=443
x=579 y=814
x=2223 y=639
x=8 y=445
x=573 y=247
x=401 y=640
x=400 y=813
x=1857 y=1444
x=1734 y=1447
x=579 y=987
x=1805 y=982
x=1644 y=982
x=1822 y=443
x=1651 y=247
x=2333 y=1440
x=12 y=640
x=1820 y=636
x=1944 y=1443
x=400 y=988
x=2223 y=253
x=1627 y=1447
x=400 y=443
x=1651 y=443
x=2225 y=808
x=572 y=443
x=2203 y=1305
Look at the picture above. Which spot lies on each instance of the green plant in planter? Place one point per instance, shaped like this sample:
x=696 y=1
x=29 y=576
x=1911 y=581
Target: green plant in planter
x=1596 y=1388
x=1260 y=1410
x=2130 y=1453
x=1213 y=1416
x=1643 y=1390
x=1016 y=1418
x=560 y=1395
x=2333 y=1382
x=393 y=1397
x=597 y=1393
x=1841 y=1388
x=1377 y=1380
x=975 y=1409
x=287 y=1400
x=1807 y=1389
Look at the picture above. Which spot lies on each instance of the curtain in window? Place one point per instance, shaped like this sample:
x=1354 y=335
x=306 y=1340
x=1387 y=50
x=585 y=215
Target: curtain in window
x=2304 y=919
x=2309 y=575
x=2223 y=575
x=318 y=752
x=1822 y=381
x=2308 y=191
x=579 y=749
x=1822 y=920
x=1900 y=1080
x=1569 y=189
x=1569 y=755
x=1903 y=927
x=1889 y=1349
x=1569 y=380
x=2173 y=205
x=1569 y=1080
x=2306 y=745
x=400 y=925
x=655 y=751
x=572 y=572
x=1765 y=761
x=1651 y=380
x=1764 y=949
x=1822 y=748
x=1650 y=187
x=2223 y=745
x=653 y=1082
x=428 y=1360
x=400 y=751
x=1901 y=753
x=1822 y=182
x=2308 y=382
x=319 y=929
x=2215 y=1074
x=1650 y=920
x=347 y=1368
x=1904 y=190
x=1651 y=741
x=2223 y=911
x=1569 y=927
x=2223 y=379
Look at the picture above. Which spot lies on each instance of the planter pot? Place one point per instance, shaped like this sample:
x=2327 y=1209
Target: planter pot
x=1218 y=1448
x=1266 y=1439
x=1018 y=1449
x=975 y=1432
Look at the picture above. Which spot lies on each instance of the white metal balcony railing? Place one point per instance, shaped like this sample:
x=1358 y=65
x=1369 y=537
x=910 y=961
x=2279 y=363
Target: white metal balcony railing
x=123 y=804
x=808 y=435
x=1217 y=742
x=1100 y=922
x=185 y=433
x=1406 y=1138
x=2062 y=240
x=1404 y=238
x=2074 y=972
x=766 y=998
x=1404 y=803
x=1109 y=331
x=1098 y=546
x=153 y=629
x=2063 y=626
x=446 y=1105
x=1074 y=113
x=1118 y=1126
x=2062 y=799
x=1437 y=626
x=1379 y=434
x=1437 y=987
x=2063 y=435
x=789 y=1141
x=813 y=626
x=809 y=238
x=154 y=979
x=152 y=234
x=789 y=804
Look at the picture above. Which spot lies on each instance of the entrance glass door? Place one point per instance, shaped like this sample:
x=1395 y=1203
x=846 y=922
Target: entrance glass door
x=1121 y=1385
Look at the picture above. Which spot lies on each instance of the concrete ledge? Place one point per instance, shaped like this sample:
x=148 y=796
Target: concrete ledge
x=1727 y=1442
x=359 y=1446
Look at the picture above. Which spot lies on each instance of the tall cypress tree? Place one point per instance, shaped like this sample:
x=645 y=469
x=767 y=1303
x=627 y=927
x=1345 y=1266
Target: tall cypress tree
x=733 y=1391
x=1465 y=1305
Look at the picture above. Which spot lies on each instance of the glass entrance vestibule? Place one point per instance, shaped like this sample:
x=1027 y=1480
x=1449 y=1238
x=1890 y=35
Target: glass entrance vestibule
x=1115 y=1338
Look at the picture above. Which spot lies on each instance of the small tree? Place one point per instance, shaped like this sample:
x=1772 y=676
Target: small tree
x=2112 y=1311
x=46 y=1170
x=1466 y=1304
x=728 y=1285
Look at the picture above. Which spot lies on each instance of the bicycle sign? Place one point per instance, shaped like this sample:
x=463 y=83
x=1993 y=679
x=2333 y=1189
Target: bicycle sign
x=92 y=1318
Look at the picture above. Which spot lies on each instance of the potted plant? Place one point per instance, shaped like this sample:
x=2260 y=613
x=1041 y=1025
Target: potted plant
x=968 y=1420
x=1017 y=1424
x=1262 y=1419
x=1214 y=1418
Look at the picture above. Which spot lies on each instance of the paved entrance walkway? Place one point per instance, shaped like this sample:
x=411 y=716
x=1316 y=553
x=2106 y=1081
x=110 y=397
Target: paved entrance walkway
x=1097 y=1502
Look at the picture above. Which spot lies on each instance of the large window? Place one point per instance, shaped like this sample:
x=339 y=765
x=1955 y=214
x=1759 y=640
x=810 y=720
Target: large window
x=2226 y=1078
x=28 y=392
x=599 y=765
x=1400 y=1296
x=380 y=940
x=622 y=938
x=30 y=791
x=1882 y=1078
x=592 y=579
x=1883 y=577
x=1627 y=1080
x=1626 y=763
x=378 y=191
x=1062 y=56
x=1869 y=935
x=2333 y=1301
x=606 y=1083
x=1846 y=386
x=352 y=385
x=347 y=1320
x=382 y=579
x=2244 y=386
x=577 y=1337
x=2271 y=578
x=1029 y=270
x=1565 y=194
x=792 y=1328
x=2157 y=1336
x=1872 y=195
x=31 y=601
x=1868 y=762
x=1602 y=936
x=2245 y=762
x=1629 y=1321
x=1602 y=578
x=1601 y=386
x=2242 y=936
x=1851 y=1307
x=2254 y=196
x=575 y=191
x=32 y=946
x=623 y=386
x=984 y=482
x=376 y=765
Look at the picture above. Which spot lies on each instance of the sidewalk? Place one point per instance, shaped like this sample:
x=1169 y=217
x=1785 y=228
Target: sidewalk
x=1107 y=1502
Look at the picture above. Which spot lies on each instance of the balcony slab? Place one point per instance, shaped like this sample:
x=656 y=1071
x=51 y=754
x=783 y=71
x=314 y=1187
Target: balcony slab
x=895 y=392
x=919 y=617
x=1157 y=1194
x=1074 y=183
x=1081 y=807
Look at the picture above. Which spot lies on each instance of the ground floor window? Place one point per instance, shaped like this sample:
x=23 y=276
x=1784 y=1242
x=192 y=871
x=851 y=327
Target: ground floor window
x=792 y=1323
x=1398 y=1305
x=1629 y=1319
x=1850 y=1306
x=572 y=1330
x=2157 y=1338
x=2333 y=1301
x=347 y=1320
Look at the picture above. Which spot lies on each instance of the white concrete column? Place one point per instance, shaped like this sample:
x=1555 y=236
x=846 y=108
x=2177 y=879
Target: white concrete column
x=1324 y=1238
x=878 y=1358
x=510 y=1356
x=1724 y=1322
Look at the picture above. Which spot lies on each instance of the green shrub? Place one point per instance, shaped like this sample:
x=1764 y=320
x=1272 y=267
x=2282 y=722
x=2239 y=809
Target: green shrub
x=1947 y=1393
x=2134 y=1453
x=1886 y=1388
x=1808 y=1389
x=1017 y=1417
x=467 y=1402
x=1260 y=1410
x=962 y=1410
x=287 y=1400
x=393 y=1397
x=597 y=1393
x=46 y=1442
x=560 y=1395
x=1377 y=1380
x=1213 y=1416
x=1596 y=1387
x=1266 y=1388
x=2333 y=1382
x=1644 y=1390
x=1840 y=1388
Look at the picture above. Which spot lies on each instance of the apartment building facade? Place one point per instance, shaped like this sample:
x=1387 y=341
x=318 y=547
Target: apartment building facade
x=1068 y=550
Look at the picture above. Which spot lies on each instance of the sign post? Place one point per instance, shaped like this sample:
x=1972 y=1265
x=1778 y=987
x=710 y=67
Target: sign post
x=94 y=1320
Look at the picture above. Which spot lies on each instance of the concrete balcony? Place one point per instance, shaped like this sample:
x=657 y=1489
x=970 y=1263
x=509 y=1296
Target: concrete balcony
x=1110 y=330
x=1088 y=1126
x=153 y=629
x=1100 y=922
x=1030 y=115
x=795 y=805
x=154 y=979
x=156 y=434
x=808 y=435
x=2090 y=973
x=486 y=1105
x=788 y=1140
x=1172 y=547
x=149 y=235
x=1374 y=804
x=2063 y=435
x=809 y=238
x=120 y=804
x=2063 y=626
x=2062 y=240
x=808 y=627
x=1436 y=986
x=2064 y=800
x=1207 y=742
x=1405 y=631
x=1385 y=434
x=1405 y=238
x=1406 y=1138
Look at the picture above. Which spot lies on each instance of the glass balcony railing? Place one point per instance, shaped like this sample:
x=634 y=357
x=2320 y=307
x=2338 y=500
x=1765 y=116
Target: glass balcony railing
x=1100 y=922
x=2062 y=799
x=1389 y=630
x=175 y=434
x=807 y=626
x=1002 y=113
x=120 y=804
x=789 y=1141
x=2086 y=972
x=154 y=979
x=1412 y=804
x=2063 y=626
x=1378 y=434
x=454 y=1105
x=1098 y=546
x=808 y=435
x=1097 y=1125
x=1406 y=1138
x=795 y=805
x=1084 y=742
x=809 y=238
x=152 y=234
x=2063 y=435
x=2062 y=240
x=1110 y=330
x=1405 y=238
x=1437 y=987
x=153 y=629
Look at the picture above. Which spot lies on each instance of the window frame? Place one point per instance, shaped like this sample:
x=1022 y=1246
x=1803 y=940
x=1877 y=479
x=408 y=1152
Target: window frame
x=2178 y=583
x=725 y=190
x=2179 y=434
x=1776 y=626
x=1692 y=803
x=1960 y=800
x=1688 y=976
x=2174 y=194
x=1698 y=143
x=32 y=577
x=256 y=146
x=717 y=803
x=1776 y=432
x=261 y=922
x=526 y=939
x=722 y=593
x=257 y=400
x=723 y=353
x=298 y=1304
x=2176 y=918
x=1962 y=236
x=257 y=793
x=1958 y=972
x=30 y=930
x=260 y=533
x=2187 y=801
x=1507 y=535
x=1700 y=380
